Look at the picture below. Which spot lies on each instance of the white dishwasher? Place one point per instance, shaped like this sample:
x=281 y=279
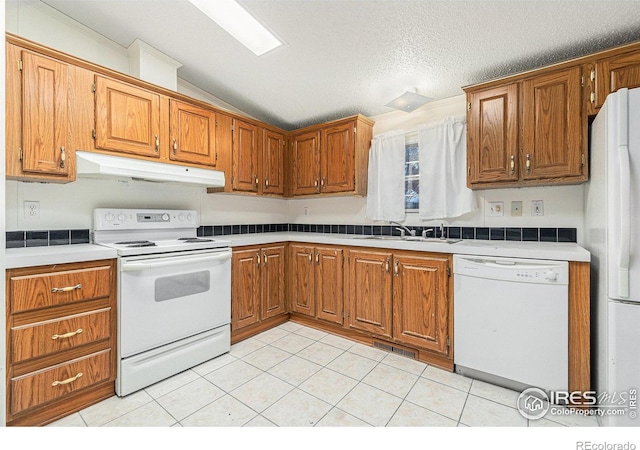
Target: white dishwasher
x=511 y=321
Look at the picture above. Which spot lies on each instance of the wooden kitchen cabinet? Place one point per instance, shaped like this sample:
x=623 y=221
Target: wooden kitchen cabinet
x=616 y=72
x=529 y=132
x=61 y=339
x=128 y=118
x=331 y=158
x=492 y=135
x=192 y=134
x=246 y=153
x=316 y=288
x=552 y=133
x=421 y=300
x=257 y=287
x=273 y=162
x=38 y=135
x=370 y=292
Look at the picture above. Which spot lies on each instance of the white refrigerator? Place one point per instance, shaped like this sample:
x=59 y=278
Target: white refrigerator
x=612 y=235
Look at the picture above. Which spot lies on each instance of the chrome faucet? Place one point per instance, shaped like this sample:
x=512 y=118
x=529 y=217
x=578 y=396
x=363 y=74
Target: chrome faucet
x=403 y=229
x=425 y=231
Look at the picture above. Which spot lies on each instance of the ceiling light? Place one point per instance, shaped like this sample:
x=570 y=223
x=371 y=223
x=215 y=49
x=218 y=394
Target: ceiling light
x=240 y=24
x=408 y=101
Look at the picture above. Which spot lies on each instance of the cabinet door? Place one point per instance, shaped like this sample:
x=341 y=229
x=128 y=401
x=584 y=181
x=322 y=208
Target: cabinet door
x=337 y=158
x=272 y=162
x=552 y=126
x=245 y=157
x=306 y=163
x=127 y=118
x=492 y=152
x=370 y=292
x=272 y=281
x=45 y=115
x=193 y=131
x=615 y=73
x=420 y=302
x=224 y=147
x=328 y=284
x=302 y=280
x=245 y=288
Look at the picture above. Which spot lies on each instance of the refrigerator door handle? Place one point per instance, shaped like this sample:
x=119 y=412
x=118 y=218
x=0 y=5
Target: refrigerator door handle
x=625 y=198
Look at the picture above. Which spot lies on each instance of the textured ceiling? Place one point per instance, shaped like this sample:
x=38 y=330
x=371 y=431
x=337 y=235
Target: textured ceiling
x=353 y=56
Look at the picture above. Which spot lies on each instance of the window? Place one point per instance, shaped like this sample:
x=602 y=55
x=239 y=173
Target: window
x=411 y=176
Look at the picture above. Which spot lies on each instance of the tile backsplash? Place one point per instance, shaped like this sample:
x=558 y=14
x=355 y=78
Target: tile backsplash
x=43 y=238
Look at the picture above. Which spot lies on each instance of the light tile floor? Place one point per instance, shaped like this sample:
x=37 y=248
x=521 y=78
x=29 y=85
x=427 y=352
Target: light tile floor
x=296 y=376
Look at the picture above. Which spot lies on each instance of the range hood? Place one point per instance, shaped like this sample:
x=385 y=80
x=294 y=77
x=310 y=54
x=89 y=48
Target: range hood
x=97 y=165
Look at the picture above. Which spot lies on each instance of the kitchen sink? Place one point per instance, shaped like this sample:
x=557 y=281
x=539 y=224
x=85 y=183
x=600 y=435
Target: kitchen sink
x=411 y=239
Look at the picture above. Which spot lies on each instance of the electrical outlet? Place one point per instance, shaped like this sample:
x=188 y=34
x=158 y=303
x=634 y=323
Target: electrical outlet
x=306 y=210
x=31 y=210
x=496 y=209
x=537 y=208
x=516 y=208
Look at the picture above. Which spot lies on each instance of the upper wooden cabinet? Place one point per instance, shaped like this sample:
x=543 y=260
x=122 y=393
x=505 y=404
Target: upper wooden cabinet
x=38 y=137
x=273 y=153
x=331 y=158
x=529 y=132
x=245 y=157
x=492 y=135
x=552 y=133
x=192 y=134
x=616 y=72
x=128 y=118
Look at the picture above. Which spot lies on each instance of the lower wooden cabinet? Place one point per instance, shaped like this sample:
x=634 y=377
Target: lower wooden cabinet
x=61 y=339
x=257 y=287
x=403 y=297
x=316 y=287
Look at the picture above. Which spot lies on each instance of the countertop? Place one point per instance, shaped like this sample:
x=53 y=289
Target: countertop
x=56 y=254
x=557 y=251
x=60 y=254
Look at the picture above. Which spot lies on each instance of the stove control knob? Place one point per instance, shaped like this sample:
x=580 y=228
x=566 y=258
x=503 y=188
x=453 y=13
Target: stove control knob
x=181 y=217
x=189 y=217
x=109 y=217
x=121 y=217
x=165 y=217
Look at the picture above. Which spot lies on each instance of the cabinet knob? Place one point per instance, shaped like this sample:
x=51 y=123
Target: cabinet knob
x=63 y=157
x=528 y=164
x=157 y=143
x=322 y=183
x=513 y=165
x=67 y=335
x=258 y=259
x=266 y=183
x=257 y=180
x=175 y=146
x=67 y=381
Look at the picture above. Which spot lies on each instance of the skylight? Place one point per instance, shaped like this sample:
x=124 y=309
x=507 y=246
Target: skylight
x=240 y=24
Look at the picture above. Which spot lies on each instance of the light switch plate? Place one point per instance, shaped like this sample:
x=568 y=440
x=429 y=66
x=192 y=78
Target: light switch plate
x=516 y=208
x=496 y=209
x=537 y=208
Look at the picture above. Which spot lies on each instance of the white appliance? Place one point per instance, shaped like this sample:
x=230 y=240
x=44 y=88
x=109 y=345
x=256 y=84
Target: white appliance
x=98 y=165
x=612 y=217
x=174 y=293
x=511 y=321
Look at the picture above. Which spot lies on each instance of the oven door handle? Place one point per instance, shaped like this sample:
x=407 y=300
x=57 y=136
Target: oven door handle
x=133 y=266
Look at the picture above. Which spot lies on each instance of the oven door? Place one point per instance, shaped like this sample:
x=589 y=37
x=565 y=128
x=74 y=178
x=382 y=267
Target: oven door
x=165 y=298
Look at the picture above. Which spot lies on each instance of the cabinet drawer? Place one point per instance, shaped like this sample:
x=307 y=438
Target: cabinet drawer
x=51 y=289
x=51 y=336
x=49 y=384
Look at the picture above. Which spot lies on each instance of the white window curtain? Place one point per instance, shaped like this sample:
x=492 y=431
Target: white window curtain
x=443 y=188
x=385 y=188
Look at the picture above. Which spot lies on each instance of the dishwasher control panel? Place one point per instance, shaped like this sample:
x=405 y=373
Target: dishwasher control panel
x=519 y=270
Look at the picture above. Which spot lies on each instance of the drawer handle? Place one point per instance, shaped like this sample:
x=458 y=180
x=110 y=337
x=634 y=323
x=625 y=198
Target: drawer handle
x=67 y=381
x=67 y=289
x=67 y=335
